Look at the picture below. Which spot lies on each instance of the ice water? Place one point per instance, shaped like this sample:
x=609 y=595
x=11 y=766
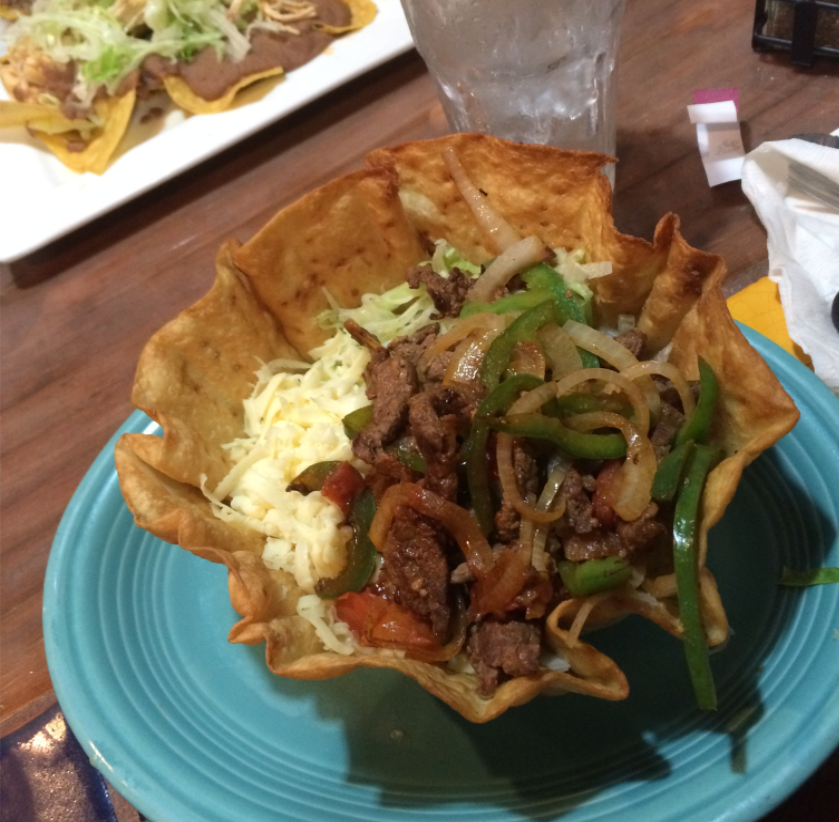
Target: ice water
x=534 y=71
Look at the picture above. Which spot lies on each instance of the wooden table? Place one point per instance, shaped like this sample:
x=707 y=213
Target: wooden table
x=76 y=314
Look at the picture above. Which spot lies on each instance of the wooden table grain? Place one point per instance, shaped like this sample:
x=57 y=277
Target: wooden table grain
x=76 y=314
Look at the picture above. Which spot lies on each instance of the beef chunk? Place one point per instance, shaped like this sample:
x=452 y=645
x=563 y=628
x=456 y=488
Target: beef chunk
x=447 y=293
x=413 y=347
x=392 y=384
x=499 y=650
x=415 y=570
x=595 y=544
x=643 y=532
x=437 y=416
x=633 y=340
x=507 y=518
x=578 y=508
x=665 y=430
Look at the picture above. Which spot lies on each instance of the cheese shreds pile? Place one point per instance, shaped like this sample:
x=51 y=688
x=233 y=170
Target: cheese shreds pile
x=293 y=420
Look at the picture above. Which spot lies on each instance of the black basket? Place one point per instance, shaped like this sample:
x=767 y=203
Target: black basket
x=805 y=28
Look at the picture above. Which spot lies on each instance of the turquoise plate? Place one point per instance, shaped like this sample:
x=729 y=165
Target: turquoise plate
x=191 y=729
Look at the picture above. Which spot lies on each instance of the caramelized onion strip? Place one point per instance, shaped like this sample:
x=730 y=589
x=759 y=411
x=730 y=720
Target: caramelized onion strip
x=630 y=389
x=615 y=354
x=505 y=266
x=668 y=371
x=497 y=229
x=630 y=494
x=458 y=522
x=489 y=325
x=526 y=403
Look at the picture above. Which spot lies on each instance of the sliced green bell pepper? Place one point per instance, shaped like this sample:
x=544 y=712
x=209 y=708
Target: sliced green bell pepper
x=582 y=579
x=514 y=302
x=698 y=425
x=361 y=553
x=475 y=449
x=523 y=329
x=669 y=472
x=541 y=277
x=357 y=420
x=312 y=478
x=685 y=563
x=577 y=444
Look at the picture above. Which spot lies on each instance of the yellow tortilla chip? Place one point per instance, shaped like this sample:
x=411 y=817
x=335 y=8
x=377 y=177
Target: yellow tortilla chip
x=360 y=233
x=184 y=97
x=115 y=115
x=363 y=13
x=39 y=117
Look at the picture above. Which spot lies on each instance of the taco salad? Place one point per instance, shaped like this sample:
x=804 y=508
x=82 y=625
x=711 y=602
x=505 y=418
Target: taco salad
x=440 y=416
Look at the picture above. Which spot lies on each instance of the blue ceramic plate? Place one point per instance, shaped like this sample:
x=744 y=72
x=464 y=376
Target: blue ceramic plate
x=192 y=729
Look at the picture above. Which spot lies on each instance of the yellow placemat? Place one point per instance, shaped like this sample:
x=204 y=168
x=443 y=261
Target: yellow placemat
x=759 y=307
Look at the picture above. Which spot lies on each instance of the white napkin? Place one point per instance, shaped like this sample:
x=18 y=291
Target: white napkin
x=803 y=245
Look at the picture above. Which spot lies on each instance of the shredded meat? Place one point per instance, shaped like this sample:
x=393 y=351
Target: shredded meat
x=414 y=570
x=447 y=293
x=498 y=650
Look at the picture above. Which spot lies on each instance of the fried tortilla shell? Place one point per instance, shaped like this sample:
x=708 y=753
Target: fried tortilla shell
x=361 y=233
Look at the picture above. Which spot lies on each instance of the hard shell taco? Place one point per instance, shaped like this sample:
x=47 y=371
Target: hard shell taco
x=74 y=68
x=483 y=422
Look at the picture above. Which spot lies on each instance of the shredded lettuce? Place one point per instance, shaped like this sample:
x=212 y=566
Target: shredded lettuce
x=447 y=257
x=108 y=39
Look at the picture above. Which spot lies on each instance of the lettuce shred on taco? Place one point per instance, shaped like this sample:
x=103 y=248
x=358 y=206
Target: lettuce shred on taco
x=440 y=416
x=74 y=68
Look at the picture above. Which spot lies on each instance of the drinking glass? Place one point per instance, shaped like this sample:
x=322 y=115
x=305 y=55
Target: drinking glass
x=533 y=71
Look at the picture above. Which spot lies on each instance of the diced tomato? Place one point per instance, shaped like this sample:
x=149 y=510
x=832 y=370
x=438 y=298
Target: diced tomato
x=603 y=493
x=379 y=622
x=342 y=485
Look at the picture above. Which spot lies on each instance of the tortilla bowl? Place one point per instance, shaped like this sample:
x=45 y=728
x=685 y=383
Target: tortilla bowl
x=360 y=233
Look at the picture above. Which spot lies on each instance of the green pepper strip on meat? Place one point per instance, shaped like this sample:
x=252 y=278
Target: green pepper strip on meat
x=582 y=579
x=698 y=424
x=578 y=444
x=475 y=449
x=685 y=562
x=361 y=553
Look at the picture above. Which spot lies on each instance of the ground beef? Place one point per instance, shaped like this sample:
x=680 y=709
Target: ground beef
x=498 y=650
x=633 y=340
x=447 y=293
x=415 y=571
